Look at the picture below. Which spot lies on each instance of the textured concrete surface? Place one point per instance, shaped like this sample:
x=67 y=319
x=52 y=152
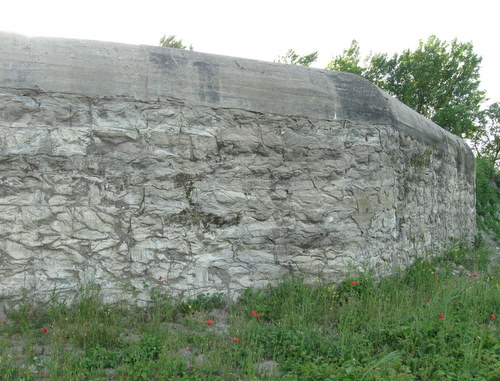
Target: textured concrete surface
x=122 y=164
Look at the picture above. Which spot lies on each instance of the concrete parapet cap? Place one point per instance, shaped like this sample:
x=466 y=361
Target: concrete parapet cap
x=150 y=73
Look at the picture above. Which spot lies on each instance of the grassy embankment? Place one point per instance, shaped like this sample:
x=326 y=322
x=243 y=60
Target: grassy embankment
x=434 y=321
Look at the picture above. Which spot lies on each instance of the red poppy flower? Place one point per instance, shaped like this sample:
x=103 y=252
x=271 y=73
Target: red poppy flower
x=209 y=322
x=44 y=330
x=188 y=349
x=235 y=339
x=257 y=315
x=441 y=316
x=354 y=282
x=475 y=275
x=428 y=299
x=253 y=313
x=493 y=316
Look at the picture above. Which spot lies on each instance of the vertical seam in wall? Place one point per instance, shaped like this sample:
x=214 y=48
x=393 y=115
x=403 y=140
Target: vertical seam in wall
x=147 y=64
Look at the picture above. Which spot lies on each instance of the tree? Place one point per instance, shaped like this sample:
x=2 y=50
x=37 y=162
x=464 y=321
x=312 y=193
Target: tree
x=438 y=80
x=486 y=141
x=348 y=61
x=172 y=42
x=292 y=58
x=486 y=145
x=488 y=197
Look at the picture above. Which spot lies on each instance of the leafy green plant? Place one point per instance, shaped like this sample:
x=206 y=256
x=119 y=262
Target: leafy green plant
x=291 y=301
x=202 y=302
x=162 y=307
x=488 y=196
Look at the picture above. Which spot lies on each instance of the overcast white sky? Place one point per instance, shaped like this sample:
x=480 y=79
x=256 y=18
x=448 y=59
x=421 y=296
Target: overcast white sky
x=266 y=29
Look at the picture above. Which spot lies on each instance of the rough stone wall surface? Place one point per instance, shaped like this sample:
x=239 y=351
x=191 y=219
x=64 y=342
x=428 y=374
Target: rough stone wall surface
x=121 y=189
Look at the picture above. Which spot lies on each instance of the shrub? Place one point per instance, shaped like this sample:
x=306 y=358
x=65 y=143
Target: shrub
x=488 y=197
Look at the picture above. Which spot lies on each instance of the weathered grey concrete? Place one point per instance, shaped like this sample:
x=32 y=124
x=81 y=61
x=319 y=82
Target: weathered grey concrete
x=120 y=164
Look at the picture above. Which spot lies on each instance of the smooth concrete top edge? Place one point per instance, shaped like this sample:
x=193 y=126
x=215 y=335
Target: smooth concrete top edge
x=149 y=73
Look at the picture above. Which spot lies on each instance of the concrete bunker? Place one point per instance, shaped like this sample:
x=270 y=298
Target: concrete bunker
x=122 y=164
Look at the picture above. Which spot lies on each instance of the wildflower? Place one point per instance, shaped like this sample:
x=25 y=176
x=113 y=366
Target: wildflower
x=441 y=316
x=235 y=339
x=209 y=322
x=188 y=349
x=354 y=282
x=44 y=330
x=475 y=275
x=161 y=277
x=253 y=313
x=257 y=315
x=428 y=299
x=493 y=316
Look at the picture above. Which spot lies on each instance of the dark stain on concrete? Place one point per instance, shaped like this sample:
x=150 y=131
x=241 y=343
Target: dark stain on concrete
x=209 y=81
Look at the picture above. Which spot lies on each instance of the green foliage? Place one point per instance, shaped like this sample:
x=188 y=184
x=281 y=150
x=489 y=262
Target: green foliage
x=291 y=301
x=486 y=140
x=348 y=61
x=488 y=196
x=363 y=329
x=292 y=58
x=172 y=42
x=438 y=80
x=162 y=307
x=97 y=357
x=202 y=302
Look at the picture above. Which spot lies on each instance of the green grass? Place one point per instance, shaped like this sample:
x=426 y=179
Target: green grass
x=386 y=329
